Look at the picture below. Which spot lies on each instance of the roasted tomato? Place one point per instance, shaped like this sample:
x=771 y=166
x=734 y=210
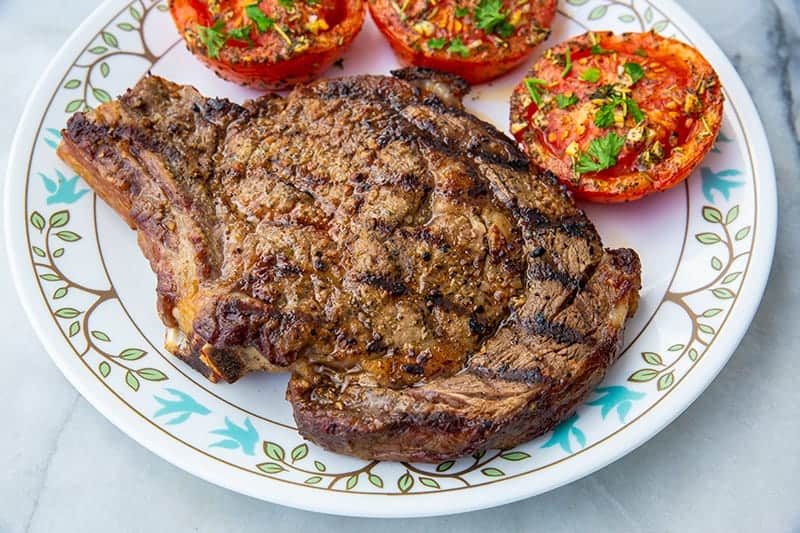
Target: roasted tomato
x=478 y=40
x=268 y=44
x=618 y=117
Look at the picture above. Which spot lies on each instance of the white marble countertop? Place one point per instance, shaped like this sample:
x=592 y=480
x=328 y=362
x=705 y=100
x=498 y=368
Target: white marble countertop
x=730 y=463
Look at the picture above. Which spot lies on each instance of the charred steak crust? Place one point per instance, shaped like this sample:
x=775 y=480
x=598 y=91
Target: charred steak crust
x=431 y=294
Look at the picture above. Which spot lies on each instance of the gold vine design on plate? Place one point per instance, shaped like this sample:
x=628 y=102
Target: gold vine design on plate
x=319 y=475
x=74 y=320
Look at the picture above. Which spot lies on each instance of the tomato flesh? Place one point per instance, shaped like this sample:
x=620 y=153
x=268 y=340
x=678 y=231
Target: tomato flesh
x=423 y=33
x=678 y=94
x=297 y=42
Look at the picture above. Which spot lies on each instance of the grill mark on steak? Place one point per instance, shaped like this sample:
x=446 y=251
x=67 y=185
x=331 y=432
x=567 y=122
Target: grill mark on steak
x=431 y=294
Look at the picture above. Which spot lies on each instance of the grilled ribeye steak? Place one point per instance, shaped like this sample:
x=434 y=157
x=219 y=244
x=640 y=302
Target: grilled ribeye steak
x=431 y=294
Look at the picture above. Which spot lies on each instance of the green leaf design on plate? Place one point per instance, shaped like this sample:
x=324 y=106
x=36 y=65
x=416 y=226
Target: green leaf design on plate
x=110 y=39
x=376 y=480
x=627 y=18
x=352 y=481
x=274 y=451
x=642 y=375
x=162 y=7
x=270 y=468
x=101 y=95
x=73 y=106
x=98 y=50
x=74 y=329
x=492 y=472
x=132 y=354
x=72 y=84
x=126 y=26
x=313 y=480
x=705 y=328
x=723 y=293
x=59 y=219
x=666 y=381
x=712 y=214
x=743 y=233
x=708 y=313
x=68 y=236
x=479 y=454
x=37 y=220
x=131 y=380
x=598 y=12
x=104 y=69
x=716 y=264
x=67 y=312
x=445 y=466
x=135 y=13
x=428 y=482
x=708 y=238
x=320 y=466
x=38 y=251
x=660 y=26
x=732 y=215
x=99 y=335
x=515 y=456
x=104 y=369
x=648 y=14
x=405 y=482
x=299 y=452
x=50 y=277
x=60 y=293
x=151 y=374
x=58 y=252
x=693 y=354
x=577 y=2
x=730 y=278
x=675 y=348
x=652 y=358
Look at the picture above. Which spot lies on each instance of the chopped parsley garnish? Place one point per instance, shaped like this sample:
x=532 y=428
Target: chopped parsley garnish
x=436 y=44
x=490 y=19
x=461 y=11
x=213 y=38
x=262 y=21
x=457 y=47
x=567 y=63
x=601 y=154
x=286 y=4
x=591 y=74
x=534 y=89
x=563 y=101
x=635 y=71
x=604 y=118
x=241 y=34
x=599 y=50
x=634 y=110
x=640 y=53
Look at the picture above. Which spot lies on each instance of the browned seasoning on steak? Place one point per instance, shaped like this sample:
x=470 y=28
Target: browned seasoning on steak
x=432 y=295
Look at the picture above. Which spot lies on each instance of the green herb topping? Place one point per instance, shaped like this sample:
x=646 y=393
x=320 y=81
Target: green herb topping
x=490 y=19
x=635 y=71
x=602 y=154
x=457 y=47
x=591 y=74
x=213 y=38
x=262 y=21
x=534 y=89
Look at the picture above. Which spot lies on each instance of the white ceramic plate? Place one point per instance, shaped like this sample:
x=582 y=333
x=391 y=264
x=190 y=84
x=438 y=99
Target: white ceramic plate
x=706 y=248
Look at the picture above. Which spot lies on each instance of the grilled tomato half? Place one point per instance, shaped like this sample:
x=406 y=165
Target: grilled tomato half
x=268 y=44
x=477 y=40
x=617 y=117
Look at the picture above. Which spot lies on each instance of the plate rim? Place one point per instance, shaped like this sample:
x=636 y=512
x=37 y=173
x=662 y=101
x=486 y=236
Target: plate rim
x=581 y=465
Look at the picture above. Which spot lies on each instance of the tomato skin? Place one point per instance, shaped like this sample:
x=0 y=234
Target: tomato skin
x=265 y=66
x=479 y=68
x=674 y=73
